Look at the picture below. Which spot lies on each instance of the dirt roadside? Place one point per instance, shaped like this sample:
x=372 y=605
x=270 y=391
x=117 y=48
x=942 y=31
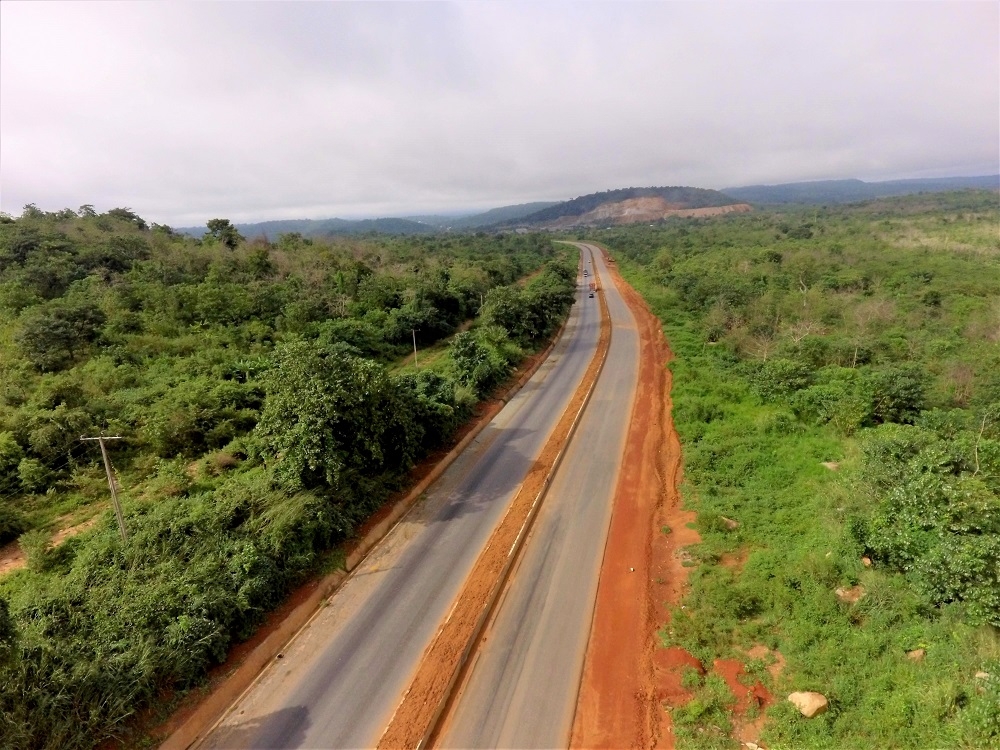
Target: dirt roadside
x=440 y=668
x=12 y=556
x=624 y=679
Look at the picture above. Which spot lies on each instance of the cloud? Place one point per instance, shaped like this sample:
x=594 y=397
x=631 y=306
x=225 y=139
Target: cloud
x=273 y=110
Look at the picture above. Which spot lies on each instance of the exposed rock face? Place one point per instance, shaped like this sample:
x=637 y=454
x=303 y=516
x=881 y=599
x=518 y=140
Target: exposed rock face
x=866 y=561
x=730 y=523
x=810 y=704
x=642 y=210
x=916 y=654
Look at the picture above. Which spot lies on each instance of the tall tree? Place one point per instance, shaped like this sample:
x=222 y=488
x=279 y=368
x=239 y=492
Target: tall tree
x=223 y=231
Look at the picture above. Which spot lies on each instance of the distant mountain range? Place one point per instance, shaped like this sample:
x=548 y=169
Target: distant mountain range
x=616 y=207
x=851 y=191
x=405 y=225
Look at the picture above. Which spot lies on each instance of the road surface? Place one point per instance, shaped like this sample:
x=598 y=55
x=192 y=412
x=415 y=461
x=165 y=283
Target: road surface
x=339 y=681
x=522 y=690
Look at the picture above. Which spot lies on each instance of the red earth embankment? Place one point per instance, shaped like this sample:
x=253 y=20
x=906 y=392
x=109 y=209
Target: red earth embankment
x=626 y=675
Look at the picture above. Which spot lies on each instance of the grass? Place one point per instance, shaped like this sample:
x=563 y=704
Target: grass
x=756 y=463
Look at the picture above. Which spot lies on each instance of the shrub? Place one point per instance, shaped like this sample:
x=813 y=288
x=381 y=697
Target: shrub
x=36 y=547
x=33 y=475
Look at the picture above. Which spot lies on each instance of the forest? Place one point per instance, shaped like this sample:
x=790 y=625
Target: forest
x=266 y=401
x=836 y=389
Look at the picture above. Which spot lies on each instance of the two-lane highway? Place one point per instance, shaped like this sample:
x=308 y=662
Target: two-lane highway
x=521 y=691
x=341 y=678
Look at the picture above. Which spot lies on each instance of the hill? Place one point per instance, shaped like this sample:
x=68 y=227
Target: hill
x=408 y=225
x=500 y=215
x=851 y=191
x=631 y=206
x=323 y=227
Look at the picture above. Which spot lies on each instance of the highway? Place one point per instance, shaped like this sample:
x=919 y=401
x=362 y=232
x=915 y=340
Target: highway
x=341 y=678
x=522 y=688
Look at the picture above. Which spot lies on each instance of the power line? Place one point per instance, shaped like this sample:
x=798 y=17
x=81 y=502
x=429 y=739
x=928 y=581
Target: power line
x=55 y=466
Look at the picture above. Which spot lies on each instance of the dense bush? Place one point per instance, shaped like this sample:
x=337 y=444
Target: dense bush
x=118 y=623
x=330 y=415
x=264 y=413
x=865 y=342
x=937 y=501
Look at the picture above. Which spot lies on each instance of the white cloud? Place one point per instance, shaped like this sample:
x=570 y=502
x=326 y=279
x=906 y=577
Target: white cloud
x=267 y=110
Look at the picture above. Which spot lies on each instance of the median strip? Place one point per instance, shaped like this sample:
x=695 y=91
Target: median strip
x=422 y=705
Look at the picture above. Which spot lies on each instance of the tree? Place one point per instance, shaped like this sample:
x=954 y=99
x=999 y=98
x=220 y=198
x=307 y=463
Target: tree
x=327 y=415
x=505 y=306
x=127 y=214
x=479 y=364
x=51 y=336
x=11 y=454
x=897 y=393
x=221 y=230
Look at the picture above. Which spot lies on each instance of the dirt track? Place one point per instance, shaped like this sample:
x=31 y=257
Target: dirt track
x=621 y=689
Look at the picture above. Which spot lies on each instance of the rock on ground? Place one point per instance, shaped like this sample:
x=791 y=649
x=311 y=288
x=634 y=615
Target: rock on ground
x=810 y=704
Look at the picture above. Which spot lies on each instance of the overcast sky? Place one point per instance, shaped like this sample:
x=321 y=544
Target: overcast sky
x=253 y=111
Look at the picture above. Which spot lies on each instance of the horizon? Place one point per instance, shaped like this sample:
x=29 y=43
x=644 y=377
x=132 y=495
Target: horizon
x=185 y=112
x=462 y=213
x=466 y=213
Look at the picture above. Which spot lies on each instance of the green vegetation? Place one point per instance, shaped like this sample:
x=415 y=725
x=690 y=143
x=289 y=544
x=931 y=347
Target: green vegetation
x=264 y=418
x=837 y=394
x=850 y=191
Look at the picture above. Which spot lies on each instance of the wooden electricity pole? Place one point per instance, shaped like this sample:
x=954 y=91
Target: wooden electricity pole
x=111 y=481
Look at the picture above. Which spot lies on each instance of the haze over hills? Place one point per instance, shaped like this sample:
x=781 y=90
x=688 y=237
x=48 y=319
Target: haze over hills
x=850 y=191
x=616 y=207
x=404 y=225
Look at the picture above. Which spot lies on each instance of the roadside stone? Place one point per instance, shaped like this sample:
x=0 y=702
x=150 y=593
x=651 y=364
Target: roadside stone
x=981 y=679
x=916 y=654
x=810 y=704
x=730 y=523
x=851 y=595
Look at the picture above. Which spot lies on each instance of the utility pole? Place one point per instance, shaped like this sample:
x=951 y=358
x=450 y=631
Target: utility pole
x=414 y=332
x=111 y=481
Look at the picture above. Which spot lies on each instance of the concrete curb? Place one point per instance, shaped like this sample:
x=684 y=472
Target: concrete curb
x=212 y=709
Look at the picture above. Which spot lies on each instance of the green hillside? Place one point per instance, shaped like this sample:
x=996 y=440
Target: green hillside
x=852 y=191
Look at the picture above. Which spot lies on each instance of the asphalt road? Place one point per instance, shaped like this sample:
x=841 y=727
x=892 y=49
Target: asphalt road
x=340 y=680
x=521 y=691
